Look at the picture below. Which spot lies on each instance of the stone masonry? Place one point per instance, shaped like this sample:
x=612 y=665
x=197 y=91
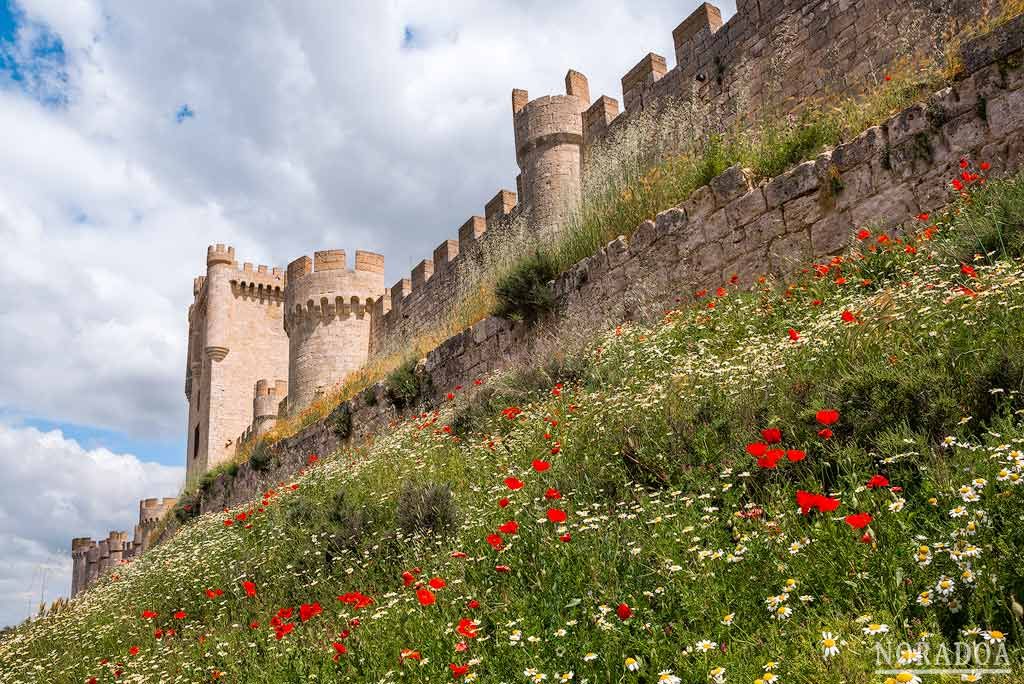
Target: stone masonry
x=92 y=559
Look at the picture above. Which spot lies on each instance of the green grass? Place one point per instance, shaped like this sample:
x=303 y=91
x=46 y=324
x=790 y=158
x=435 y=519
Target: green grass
x=646 y=435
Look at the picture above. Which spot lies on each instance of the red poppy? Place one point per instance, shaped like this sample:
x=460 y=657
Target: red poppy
x=513 y=483
x=858 y=521
x=968 y=271
x=510 y=527
x=356 y=599
x=770 y=459
x=339 y=649
x=409 y=653
x=473 y=603
x=624 y=611
x=806 y=501
x=556 y=449
x=566 y=537
x=539 y=465
x=214 y=593
x=408 y=578
x=308 y=610
x=285 y=613
x=503 y=502
x=425 y=597
x=795 y=455
x=556 y=515
x=180 y=615
x=757 y=449
x=134 y=650
x=794 y=335
x=495 y=541
x=458 y=670
x=466 y=628
x=877 y=481
x=502 y=568
x=313 y=458
x=511 y=412
x=772 y=435
x=848 y=316
x=985 y=166
x=437 y=583
x=148 y=615
x=552 y=493
x=825 y=433
x=284 y=629
x=250 y=588
x=827 y=416
x=863 y=234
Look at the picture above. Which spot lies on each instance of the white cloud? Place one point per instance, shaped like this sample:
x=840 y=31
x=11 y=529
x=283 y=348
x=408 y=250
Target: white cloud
x=52 y=490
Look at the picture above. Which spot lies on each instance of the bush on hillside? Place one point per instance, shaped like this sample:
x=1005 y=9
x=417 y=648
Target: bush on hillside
x=524 y=294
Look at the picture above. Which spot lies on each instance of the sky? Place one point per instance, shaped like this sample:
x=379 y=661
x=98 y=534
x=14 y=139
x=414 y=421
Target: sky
x=133 y=135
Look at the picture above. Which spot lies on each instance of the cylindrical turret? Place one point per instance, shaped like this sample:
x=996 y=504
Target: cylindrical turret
x=79 y=563
x=549 y=140
x=220 y=262
x=116 y=543
x=104 y=560
x=92 y=565
x=327 y=318
x=265 y=401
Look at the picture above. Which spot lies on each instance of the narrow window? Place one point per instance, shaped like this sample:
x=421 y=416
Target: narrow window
x=195 y=443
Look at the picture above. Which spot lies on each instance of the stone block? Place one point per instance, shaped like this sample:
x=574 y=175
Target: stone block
x=867 y=146
x=794 y=183
x=1005 y=113
x=731 y=184
x=831 y=234
x=716 y=226
x=907 y=124
x=890 y=206
x=746 y=208
x=802 y=212
x=965 y=134
x=699 y=204
x=764 y=229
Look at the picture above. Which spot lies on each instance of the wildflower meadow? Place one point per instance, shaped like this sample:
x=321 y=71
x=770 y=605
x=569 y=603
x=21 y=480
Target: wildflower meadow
x=817 y=479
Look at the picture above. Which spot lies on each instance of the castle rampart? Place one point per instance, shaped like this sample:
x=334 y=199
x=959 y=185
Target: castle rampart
x=327 y=319
x=91 y=559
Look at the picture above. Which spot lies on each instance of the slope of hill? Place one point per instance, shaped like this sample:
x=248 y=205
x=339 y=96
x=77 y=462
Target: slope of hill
x=784 y=484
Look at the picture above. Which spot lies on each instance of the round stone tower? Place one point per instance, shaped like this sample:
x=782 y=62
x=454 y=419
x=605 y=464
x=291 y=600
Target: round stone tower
x=220 y=262
x=549 y=141
x=327 y=319
x=79 y=567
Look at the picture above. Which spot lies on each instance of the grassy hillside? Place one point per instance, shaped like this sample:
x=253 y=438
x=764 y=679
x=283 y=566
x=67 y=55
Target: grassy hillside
x=634 y=514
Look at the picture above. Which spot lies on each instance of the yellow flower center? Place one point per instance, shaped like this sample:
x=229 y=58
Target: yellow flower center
x=904 y=677
x=995 y=634
x=829 y=643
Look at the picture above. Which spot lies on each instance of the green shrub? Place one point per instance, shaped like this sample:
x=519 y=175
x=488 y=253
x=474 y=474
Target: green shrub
x=340 y=420
x=186 y=508
x=370 y=396
x=260 y=459
x=405 y=387
x=347 y=523
x=524 y=293
x=426 y=509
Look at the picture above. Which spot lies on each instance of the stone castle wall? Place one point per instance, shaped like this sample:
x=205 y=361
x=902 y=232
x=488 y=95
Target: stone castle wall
x=90 y=559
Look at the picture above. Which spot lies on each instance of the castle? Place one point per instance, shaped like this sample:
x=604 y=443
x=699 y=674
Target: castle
x=263 y=343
